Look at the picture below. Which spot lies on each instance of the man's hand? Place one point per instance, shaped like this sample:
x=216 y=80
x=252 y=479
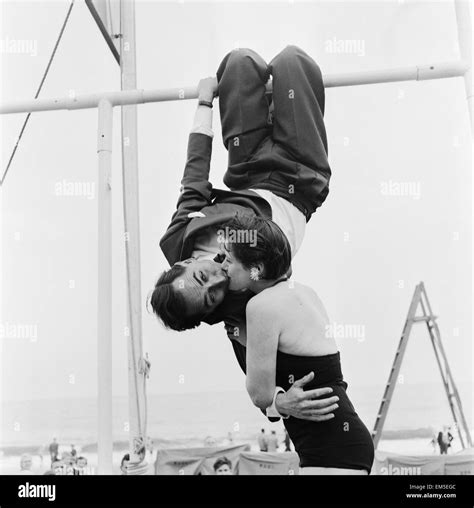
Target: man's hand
x=302 y=404
x=207 y=89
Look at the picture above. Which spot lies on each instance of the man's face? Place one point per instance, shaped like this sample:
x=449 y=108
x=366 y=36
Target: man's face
x=224 y=469
x=204 y=285
x=81 y=463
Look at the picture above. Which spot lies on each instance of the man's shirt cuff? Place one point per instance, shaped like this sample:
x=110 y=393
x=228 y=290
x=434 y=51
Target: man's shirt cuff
x=203 y=121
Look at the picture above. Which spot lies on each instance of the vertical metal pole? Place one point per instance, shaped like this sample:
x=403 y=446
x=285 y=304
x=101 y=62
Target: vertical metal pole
x=2 y=219
x=463 y=19
x=137 y=403
x=104 y=290
x=464 y=25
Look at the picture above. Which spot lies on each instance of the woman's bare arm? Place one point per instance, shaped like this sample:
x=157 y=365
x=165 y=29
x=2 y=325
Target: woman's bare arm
x=263 y=331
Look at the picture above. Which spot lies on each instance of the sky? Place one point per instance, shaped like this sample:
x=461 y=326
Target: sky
x=365 y=249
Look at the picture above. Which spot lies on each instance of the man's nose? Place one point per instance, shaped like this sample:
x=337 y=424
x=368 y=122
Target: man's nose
x=218 y=278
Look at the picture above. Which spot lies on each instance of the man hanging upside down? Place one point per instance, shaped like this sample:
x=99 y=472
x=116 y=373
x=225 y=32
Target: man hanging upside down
x=277 y=169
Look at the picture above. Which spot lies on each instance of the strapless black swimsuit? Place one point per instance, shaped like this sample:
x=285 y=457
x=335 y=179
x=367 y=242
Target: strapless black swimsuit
x=343 y=441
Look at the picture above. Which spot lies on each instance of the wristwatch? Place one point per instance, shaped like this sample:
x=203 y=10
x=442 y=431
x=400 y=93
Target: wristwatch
x=205 y=103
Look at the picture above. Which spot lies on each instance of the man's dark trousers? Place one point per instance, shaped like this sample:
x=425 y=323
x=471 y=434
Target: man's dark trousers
x=289 y=156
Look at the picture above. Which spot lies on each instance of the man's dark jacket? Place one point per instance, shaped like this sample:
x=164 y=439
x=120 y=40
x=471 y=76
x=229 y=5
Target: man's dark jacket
x=215 y=207
x=198 y=195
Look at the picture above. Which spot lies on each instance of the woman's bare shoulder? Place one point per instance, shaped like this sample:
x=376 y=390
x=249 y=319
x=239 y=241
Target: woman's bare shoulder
x=259 y=302
x=271 y=299
x=265 y=314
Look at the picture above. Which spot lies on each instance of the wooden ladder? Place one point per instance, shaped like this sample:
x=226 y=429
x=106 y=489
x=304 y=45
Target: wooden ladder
x=420 y=298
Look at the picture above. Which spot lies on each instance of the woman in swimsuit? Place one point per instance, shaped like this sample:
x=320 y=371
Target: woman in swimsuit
x=289 y=336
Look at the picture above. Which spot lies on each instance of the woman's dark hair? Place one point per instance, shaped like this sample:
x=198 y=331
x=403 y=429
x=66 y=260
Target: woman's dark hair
x=222 y=461
x=263 y=242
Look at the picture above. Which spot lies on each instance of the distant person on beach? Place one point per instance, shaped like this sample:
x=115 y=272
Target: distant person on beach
x=444 y=440
x=53 y=450
x=450 y=437
x=57 y=467
x=287 y=442
x=68 y=458
x=262 y=441
x=223 y=466
x=73 y=451
x=26 y=462
x=272 y=442
x=81 y=466
x=443 y=446
x=68 y=464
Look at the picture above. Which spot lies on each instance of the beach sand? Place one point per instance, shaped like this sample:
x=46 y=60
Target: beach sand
x=10 y=464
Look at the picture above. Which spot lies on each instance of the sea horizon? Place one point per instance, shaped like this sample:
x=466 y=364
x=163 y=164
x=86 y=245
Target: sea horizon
x=415 y=411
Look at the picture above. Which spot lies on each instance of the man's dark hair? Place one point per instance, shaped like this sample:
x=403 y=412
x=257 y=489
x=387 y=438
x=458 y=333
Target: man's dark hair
x=222 y=461
x=124 y=458
x=272 y=248
x=169 y=305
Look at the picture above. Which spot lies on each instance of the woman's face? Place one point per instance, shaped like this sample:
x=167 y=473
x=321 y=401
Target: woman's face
x=239 y=276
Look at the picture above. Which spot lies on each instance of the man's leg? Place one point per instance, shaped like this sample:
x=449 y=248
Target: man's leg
x=243 y=105
x=298 y=124
x=298 y=100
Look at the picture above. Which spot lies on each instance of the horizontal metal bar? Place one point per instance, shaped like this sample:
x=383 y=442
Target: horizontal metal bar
x=415 y=73
x=124 y=98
